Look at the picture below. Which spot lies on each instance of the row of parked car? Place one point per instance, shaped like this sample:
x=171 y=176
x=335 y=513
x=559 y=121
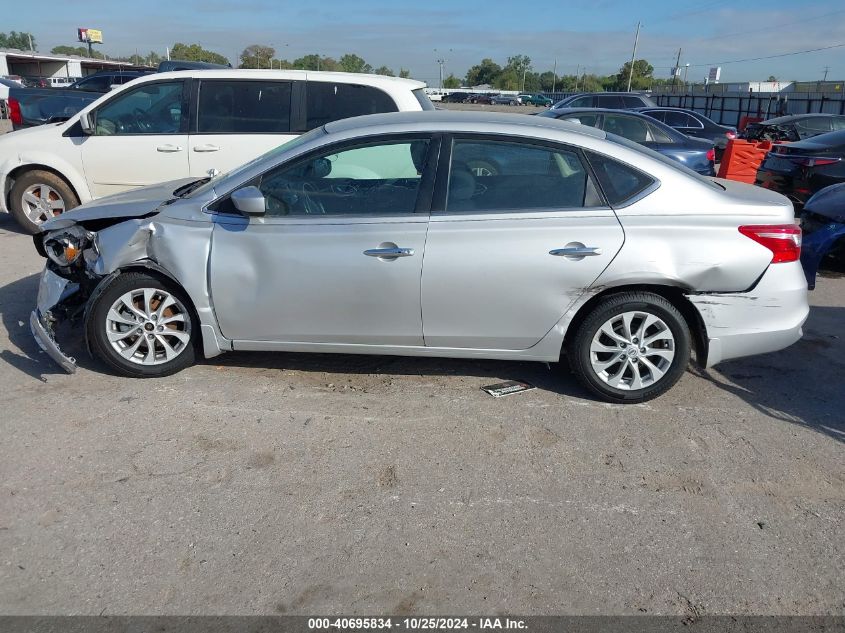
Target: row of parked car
x=405 y=232
x=496 y=98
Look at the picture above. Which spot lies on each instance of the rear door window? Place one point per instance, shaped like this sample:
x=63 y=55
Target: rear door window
x=492 y=176
x=327 y=101
x=633 y=102
x=581 y=102
x=244 y=107
x=584 y=119
x=658 y=135
x=627 y=127
x=611 y=101
x=812 y=126
x=676 y=119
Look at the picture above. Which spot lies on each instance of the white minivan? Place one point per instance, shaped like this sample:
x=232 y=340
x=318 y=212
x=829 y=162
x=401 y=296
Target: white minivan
x=166 y=126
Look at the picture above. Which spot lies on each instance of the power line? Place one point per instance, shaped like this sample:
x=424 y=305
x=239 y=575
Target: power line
x=769 y=28
x=755 y=59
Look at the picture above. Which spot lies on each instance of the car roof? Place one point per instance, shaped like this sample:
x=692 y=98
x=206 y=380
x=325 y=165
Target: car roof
x=636 y=112
x=797 y=117
x=437 y=120
x=589 y=94
x=307 y=75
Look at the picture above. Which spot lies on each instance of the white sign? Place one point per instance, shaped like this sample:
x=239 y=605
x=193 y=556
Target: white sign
x=714 y=73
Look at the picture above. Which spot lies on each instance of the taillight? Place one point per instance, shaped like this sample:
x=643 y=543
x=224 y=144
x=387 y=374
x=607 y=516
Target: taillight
x=813 y=161
x=784 y=240
x=15 y=111
x=730 y=134
x=711 y=155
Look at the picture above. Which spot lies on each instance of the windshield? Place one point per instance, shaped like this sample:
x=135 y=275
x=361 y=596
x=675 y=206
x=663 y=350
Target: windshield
x=284 y=147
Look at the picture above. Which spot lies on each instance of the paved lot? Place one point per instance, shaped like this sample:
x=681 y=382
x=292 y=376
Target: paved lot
x=286 y=483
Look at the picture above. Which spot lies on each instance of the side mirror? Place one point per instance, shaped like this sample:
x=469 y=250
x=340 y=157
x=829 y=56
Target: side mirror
x=249 y=201
x=86 y=124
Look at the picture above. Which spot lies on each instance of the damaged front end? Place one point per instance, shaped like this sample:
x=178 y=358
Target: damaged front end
x=823 y=227
x=65 y=286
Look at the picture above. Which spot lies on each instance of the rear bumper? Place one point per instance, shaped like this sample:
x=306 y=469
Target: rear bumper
x=766 y=319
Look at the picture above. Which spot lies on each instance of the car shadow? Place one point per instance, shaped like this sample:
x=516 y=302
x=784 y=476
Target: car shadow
x=17 y=300
x=8 y=223
x=801 y=384
x=553 y=377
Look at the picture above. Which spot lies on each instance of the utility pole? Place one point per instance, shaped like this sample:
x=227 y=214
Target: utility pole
x=676 y=71
x=686 y=69
x=32 y=50
x=577 y=76
x=524 y=70
x=441 y=62
x=554 y=72
x=826 y=70
x=633 y=56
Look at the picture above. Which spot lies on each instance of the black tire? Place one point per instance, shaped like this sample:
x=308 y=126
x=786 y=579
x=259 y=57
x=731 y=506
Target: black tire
x=97 y=327
x=580 y=357
x=38 y=177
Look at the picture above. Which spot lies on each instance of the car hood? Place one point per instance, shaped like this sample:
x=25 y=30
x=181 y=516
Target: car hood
x=828 y=202
x=136 y=203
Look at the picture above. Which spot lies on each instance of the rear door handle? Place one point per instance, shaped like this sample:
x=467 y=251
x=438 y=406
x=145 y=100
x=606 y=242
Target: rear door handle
x=389 y=253
x=168 y=148
x=576 y=251
x=208 y=147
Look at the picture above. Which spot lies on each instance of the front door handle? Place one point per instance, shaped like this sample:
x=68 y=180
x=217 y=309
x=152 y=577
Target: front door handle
x=208 y=147
x=580 y=251
x=391 y=252
x=167 y=149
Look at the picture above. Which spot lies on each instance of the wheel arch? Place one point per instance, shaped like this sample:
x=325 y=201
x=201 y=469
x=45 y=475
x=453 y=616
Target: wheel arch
x=20 y=170
x=675 y=295
x=155 y=270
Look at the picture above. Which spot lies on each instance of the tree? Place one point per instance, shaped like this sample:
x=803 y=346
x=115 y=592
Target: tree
x=195 y=53
x=384 y=70
x=351 y=63
x=404 y=73
x=20 y=40
x=81 y=51
x=314 y=61
x=772 y=78
x=451 y=82
x=484 y=73
x=257 y=56
x=508 y=79
x=641 y=79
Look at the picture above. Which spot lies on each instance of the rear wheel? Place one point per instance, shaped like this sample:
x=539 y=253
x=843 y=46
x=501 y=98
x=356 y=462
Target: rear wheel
x=38 y=196
x=632 y=347
x=142 y=327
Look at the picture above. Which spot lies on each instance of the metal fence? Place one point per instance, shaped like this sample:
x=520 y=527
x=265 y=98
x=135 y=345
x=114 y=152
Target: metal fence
x=729 y=108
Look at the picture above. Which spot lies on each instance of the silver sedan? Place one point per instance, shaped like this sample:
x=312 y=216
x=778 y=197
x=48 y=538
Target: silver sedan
x=454 y=234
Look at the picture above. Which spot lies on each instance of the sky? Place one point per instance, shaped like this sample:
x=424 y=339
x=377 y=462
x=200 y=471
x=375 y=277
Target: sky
x=594 y=34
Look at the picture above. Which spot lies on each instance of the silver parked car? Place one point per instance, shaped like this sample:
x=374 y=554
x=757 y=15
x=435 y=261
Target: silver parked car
x=384 y=235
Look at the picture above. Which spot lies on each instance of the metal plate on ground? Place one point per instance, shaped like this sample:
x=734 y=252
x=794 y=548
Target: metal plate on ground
x=507 y=388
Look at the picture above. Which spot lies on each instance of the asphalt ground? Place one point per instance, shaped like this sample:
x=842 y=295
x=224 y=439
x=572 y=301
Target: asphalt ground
x=300 y=484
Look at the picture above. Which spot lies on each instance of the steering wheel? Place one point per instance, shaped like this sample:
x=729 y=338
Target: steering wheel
x=309 y=204
x=143 y=120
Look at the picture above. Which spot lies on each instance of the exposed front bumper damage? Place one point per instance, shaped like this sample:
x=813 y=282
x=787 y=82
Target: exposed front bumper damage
x=53 y=293
x=766 y=319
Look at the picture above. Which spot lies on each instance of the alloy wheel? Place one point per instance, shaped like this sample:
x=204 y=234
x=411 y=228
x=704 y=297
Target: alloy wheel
x=632 y=350
x=148 y=326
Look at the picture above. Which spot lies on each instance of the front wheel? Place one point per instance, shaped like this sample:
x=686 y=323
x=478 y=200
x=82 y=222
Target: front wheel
x=142 y=327
x=38 y=196
x=631 y=347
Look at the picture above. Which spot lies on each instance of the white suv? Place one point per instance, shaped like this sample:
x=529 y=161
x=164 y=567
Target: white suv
x=180 y=124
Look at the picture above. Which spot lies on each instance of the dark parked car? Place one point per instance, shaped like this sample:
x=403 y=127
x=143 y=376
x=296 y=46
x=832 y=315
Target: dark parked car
x=697 y=154
x=486 y=99
x=457 y=97
x=692 y=123
x=823 y=225
x=511 y=100
x=609 y=100
x=794 y=127
x=104 y=80
x=798 y=170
